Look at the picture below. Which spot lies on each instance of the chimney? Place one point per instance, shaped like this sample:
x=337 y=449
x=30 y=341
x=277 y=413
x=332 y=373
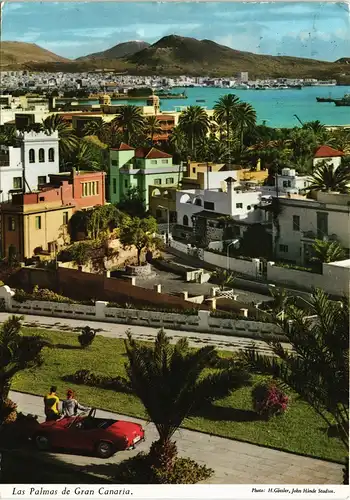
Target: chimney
x=230 y=194
x=157 y=288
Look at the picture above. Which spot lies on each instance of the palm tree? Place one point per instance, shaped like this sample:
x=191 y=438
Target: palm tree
x=224 y=278
x=130 y=120
x=194 y=123
x=225 y=111
x=317 y=128
x=95 y=127
x=327 y=251
x=8 y=135
x=152 y=127
x=245 y=119
x=17 y=352
x=171 y=381
x=340 y=139
x=318 y=367
x=302 y=143
x=327 y=178
x=85 y=157
x=68 y=139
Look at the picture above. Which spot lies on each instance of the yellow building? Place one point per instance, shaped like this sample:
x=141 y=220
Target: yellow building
x=30 y=226
x=162 y=199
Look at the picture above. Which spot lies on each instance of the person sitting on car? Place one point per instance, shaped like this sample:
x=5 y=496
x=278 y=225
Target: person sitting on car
x=70 y=406
x=51 y=402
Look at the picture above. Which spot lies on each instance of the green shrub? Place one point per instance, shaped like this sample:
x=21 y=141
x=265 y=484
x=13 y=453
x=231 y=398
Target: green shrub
x=86 y=337
x=46 y=294
x=297 y=268
x=8 y=412
x=85 y=377
x=218 y=313
x=138 y=470
x=143 y=307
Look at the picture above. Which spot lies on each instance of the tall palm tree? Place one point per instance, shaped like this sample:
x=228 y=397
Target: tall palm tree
x=68 y=139
x=152 y=127
x=94 y=127
x=327 y=251
x=17 y=352
x=8 y=135
x=318 y=367
x=194 y=123
x=341 y=139
x=302 y=142
x=85 y=157
x=225 y=110
x=171 y=381
x=327 y=178
x=130 y=120
x=245 y=119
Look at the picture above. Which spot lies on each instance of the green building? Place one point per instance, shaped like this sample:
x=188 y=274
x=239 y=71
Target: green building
x=139 y=168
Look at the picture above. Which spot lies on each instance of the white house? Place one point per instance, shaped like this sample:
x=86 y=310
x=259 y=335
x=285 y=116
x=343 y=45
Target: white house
x=237 y=202
x=28 y=166
x=290 y=182
x=303 y=220
x=327 y=153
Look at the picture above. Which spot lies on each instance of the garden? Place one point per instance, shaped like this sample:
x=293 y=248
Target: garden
x=299 y=430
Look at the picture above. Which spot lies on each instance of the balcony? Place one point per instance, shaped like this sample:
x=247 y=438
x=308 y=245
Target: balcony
x=312 y=235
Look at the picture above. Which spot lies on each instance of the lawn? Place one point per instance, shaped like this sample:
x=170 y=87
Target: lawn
x=300 y=430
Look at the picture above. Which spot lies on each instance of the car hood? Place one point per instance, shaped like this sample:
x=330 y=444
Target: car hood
x=121 y=427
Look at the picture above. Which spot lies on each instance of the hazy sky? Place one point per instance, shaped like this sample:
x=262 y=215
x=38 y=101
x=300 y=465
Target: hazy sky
x=316 y=30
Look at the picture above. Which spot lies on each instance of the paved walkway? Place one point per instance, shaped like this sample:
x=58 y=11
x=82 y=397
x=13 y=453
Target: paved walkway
x=117 y=330
x=233 y=462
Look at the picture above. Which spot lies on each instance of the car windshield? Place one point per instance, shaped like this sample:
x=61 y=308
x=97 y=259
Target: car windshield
x=89 y=423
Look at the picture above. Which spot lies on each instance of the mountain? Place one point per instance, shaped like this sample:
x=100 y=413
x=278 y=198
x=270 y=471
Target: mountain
x=176 y=54
x=14 y=54
x=121 y=50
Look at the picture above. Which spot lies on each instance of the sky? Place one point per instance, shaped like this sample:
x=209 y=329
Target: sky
x=314 y=30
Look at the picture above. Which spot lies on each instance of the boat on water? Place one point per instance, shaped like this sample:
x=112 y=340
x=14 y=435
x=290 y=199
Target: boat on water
x=324 y=99
x=344 y=101
x=200 y=100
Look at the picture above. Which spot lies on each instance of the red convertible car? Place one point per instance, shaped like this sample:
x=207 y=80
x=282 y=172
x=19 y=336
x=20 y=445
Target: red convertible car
x=101 y=436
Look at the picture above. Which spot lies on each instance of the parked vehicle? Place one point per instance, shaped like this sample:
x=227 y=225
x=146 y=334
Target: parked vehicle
x=87 y=433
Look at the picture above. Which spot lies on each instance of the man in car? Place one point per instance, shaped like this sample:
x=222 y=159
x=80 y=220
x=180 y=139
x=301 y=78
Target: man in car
x=70 y=406
x=51 y=402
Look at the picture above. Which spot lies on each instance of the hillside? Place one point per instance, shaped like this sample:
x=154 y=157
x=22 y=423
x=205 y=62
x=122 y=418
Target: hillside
x=176 y=55
x=14 y=54
x=120 y=50
x=180 y=54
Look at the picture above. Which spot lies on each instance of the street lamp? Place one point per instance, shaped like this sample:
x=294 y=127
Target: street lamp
x=228 y=253
x=168 y=220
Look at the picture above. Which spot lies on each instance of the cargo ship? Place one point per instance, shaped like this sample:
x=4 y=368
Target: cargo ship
x=324 y=99
x=344 y=101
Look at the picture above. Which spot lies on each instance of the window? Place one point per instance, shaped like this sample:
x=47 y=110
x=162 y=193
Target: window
x=198 y=202
x=284 y=248
x=65 y=218
x=51 y=155
x=169 y=180
x=194 y=170
x=287 y=184
x=165 y=162
x=126 y=183
x=17 y=183
x=322 y=225
x=114 y=186
x=296 y=223
x=305 y=184
x=158 y=214
x=41 y=198
x=90 y=188
x=157 y=182
x=38 y=222
x=41 y=180
x=11 y=224
x=115 y=163
x=153 y=162
x=209 y=205
x=31 y=156
x=41 y=155
x=249 y=207
x=239 y=205
x=185 y=220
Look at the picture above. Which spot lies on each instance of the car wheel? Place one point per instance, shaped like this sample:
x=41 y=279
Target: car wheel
x=42 y=442
x=104 y=449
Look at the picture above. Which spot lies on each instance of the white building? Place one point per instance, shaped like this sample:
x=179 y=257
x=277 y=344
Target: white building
x=303 y=220
x=291 y=182
x=237 y=202
x=329 y=154
x=28 y=166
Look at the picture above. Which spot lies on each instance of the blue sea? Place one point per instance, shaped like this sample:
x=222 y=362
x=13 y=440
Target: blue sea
x=275 y=108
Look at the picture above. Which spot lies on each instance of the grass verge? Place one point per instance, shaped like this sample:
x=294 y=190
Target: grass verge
x=300 y=430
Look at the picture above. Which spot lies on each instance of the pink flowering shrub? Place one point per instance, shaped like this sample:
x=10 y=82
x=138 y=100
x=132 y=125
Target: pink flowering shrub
x=269 y=400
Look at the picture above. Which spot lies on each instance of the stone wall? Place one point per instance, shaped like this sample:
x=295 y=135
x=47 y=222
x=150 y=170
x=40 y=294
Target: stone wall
x=201 y=322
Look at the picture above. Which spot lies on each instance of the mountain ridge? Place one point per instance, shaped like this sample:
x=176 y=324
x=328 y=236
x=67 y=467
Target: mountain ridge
x=174 y=55
x=123 y=49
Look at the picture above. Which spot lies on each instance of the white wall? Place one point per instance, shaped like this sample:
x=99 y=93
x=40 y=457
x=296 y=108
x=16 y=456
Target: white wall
x=200 y=322
x=335 y=161
x=338 y=224
x=334 y=280
x=245 y=267
x=19 y=162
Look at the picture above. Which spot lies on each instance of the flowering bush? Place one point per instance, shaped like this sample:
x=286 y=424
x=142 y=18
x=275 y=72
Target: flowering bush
x=8 y=412
x=269 y=400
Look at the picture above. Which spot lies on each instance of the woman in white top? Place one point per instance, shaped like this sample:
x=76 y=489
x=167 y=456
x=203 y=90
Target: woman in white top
x=70 y=406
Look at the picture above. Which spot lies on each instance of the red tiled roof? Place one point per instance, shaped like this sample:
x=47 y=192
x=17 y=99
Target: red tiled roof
x=327 y=152
x=150 y=153
x=165 y=117
x=123 y=147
